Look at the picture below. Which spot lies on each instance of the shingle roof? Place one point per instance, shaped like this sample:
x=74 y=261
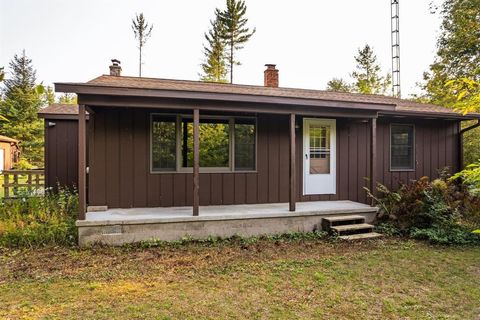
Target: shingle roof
x=59 y=108
x=7 y=139
x=401 y=106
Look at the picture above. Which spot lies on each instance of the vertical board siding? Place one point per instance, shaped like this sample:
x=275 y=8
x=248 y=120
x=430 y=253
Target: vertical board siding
x=61 y=153
x=120 y=165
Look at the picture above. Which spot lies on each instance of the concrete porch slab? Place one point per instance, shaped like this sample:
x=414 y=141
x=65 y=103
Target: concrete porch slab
x=119 y=226
x=222 y=212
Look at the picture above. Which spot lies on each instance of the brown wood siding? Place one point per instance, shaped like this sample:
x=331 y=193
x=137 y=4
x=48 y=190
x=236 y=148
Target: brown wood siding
x=61 y=153
x=120 y=170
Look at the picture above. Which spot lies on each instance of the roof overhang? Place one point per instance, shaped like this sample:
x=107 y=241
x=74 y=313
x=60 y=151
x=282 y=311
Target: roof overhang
x=88 y=89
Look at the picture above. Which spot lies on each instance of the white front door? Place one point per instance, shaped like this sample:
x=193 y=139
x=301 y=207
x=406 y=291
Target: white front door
x=319 y=148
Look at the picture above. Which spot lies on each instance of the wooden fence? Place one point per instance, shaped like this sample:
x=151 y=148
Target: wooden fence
x=17 y=182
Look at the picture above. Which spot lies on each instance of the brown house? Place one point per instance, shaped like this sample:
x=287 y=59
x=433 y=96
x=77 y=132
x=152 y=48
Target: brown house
x=9 y=153
x=168 y=158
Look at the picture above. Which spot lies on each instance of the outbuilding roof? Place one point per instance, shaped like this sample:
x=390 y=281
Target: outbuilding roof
x=154 y=87
x=7 y=139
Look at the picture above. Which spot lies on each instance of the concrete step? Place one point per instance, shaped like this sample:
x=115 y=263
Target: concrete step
x=329 y=222
x=352 y=227
x=344 y=218
x=361 y=236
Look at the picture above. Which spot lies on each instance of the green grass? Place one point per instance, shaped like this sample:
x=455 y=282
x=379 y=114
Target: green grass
x=281 y=279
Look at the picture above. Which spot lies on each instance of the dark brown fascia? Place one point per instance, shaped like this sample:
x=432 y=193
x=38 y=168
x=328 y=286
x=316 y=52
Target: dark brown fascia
x=59 y=116
x=430 y=115
x=80 y=88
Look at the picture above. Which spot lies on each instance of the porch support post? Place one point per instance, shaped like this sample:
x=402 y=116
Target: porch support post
x=82 y=163
x=196 y=161
x=292 y=163
x=373 y=156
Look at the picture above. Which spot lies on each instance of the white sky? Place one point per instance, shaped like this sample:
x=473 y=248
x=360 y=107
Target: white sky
x=311 y=41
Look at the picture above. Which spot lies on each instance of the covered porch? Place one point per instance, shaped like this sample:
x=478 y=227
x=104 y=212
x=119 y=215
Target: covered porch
x=118 y=226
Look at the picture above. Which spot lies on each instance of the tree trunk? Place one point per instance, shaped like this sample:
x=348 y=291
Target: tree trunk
x=140 y=62
x=231 y=60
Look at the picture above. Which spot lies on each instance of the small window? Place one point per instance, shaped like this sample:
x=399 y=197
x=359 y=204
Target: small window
x=402 y=147
x=245 y=144
x=163 y=143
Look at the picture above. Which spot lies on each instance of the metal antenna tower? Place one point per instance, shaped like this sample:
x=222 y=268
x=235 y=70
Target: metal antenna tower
x=395 y=48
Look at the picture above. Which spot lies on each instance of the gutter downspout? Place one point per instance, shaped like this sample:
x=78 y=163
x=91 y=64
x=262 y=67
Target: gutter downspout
x=460 y=137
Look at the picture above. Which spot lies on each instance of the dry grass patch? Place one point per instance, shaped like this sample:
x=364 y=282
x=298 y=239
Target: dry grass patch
x=283 y=279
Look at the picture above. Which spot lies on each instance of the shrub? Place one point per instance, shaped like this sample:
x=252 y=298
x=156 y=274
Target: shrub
x=438 y=211
x=36 y=221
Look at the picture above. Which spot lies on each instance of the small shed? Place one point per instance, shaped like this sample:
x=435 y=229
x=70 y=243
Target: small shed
x=9 y=153
x=61 y=144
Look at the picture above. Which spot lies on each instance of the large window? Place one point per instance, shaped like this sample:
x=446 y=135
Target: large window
x=226 y=143
x=402 y=147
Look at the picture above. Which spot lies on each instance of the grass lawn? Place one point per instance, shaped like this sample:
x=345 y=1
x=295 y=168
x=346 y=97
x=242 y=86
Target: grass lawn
x=383 y=279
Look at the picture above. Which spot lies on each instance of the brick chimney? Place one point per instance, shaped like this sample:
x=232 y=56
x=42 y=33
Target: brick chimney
x=270 y=76
x=115 y=68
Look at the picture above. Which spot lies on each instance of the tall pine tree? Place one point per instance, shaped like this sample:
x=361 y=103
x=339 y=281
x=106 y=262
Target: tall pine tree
x=142 y=31
x=20 y=106
x=214 y=67
x=235 y=30
x=367 y=78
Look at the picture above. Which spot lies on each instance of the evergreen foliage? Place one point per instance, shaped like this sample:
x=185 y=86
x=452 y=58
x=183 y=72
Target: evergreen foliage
x=22 y=100
x=339 y=85
x=68 y=98
x=214 y=67
x=235 y=31
x=367 y=74
x=142 y=31
x=366 y=77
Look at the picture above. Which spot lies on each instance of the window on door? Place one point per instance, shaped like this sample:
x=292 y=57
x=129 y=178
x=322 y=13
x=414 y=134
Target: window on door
x=402 y=147
x=319 y=149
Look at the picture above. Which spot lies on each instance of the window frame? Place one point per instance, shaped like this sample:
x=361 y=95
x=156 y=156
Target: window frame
x=178 y=146
x=414 y=159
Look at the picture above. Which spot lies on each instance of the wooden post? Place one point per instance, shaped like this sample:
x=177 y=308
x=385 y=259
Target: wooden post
x=292 y=163
x=196 y=161
x=373 y=156
x=6 y=182
x=82 y=163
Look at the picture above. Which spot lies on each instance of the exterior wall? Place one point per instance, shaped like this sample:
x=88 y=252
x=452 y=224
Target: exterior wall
x=61 y=153
x=8 y=154
x=119 y=162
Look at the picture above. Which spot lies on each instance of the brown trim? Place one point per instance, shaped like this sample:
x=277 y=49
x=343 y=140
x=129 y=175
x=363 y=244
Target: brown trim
x=82 y=89
x=373 y=155
x=292 y=163
x=82 y=162
x=58 y=116
x=196 y=161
